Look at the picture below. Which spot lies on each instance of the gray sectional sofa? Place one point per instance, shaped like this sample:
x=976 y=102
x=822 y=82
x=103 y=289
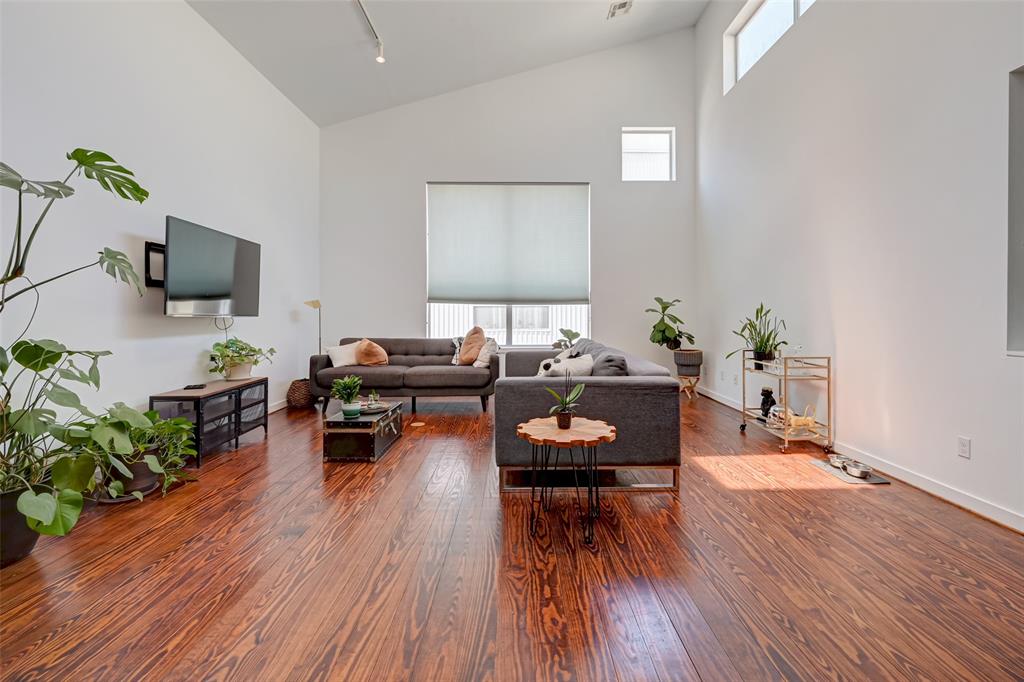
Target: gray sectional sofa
x=417 y=367
x=643 y=406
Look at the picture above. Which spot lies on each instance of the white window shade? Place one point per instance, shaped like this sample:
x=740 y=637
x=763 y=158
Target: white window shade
x=508 y=243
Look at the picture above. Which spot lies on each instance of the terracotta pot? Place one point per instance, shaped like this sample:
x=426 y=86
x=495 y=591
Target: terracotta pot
x=16 y=539
x=564 y=420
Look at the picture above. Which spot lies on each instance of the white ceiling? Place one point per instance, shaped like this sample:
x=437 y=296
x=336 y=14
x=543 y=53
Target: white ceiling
x=320 y=53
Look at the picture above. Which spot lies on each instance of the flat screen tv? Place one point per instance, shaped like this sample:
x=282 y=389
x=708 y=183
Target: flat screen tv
x=209 y=273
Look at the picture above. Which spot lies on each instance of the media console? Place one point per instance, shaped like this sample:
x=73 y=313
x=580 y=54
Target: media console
x=220 y=412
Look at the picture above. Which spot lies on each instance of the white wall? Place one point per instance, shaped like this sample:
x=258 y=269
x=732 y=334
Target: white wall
x=856 y=180
x=156 y=87
x=557 y=123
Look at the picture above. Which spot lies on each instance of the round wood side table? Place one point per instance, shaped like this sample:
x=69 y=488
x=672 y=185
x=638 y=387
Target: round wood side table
x=546 y=438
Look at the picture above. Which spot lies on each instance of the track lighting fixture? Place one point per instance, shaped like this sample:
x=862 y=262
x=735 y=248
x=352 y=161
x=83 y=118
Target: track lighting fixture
x=373 y=30
x=380 y=52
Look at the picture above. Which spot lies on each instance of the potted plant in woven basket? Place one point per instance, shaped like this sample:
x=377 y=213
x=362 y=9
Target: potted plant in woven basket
x=565 y=405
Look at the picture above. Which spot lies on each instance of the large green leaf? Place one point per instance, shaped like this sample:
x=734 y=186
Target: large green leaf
x=116 y=264
x=73 y=473
x=112 y=437
x=41 y=507
x=112 y=177
x=71 y=435
x=39 y=355
x=69 y=507
x=51 y=189
x=130 y=416
x=153 y=463
x=574 y=395
x=120 y=466
x=5 y=361
x=32 y=422
x=58 y=395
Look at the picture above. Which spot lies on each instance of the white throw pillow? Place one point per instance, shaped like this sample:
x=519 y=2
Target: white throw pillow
x=343 y=356
x=582 y=366
x=488 y=350
x=542 y=371
x=457 y=340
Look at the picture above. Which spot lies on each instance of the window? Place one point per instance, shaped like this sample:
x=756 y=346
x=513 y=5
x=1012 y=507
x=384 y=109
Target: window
x=511 y=258
x=757 y=27
x=648 y=154
x=531 y=325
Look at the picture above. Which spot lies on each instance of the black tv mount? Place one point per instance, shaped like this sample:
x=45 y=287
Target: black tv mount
x=151 y=248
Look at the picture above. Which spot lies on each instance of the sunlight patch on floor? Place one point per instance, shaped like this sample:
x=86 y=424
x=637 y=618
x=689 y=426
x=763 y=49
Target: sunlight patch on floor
x=790 y=475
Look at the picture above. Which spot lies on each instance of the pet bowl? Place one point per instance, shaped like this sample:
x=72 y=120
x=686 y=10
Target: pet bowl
x=838 y=460
x=857 y=470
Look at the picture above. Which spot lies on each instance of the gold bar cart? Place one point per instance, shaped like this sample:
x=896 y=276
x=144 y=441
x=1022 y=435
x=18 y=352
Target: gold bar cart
x=787 y=369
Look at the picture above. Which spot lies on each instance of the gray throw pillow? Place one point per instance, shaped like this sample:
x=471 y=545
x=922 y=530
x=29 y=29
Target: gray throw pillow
x=587 y=347
x=610 y=365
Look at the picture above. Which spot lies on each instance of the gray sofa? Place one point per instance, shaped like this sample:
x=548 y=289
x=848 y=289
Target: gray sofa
x=643 y=406
x=417 y=367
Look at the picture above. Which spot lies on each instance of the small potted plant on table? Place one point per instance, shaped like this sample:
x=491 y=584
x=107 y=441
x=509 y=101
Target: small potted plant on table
x=564 y=408
x=347 y=391
x=234 y=359
x=761 y=334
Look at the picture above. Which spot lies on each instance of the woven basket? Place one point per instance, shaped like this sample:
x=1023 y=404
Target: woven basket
x=299 y=394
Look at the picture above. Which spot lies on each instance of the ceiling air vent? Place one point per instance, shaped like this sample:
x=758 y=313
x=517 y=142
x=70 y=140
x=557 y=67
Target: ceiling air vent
x=619 y=7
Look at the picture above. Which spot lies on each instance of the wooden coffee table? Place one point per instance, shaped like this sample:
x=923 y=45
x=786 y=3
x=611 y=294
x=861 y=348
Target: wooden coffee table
x=546 y=438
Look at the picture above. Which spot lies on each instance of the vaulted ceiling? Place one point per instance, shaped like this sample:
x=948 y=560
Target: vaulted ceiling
x=320 y=53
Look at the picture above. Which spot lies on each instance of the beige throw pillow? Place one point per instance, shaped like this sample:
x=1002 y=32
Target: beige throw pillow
x=471 y=346
x=487 y=354
x=343 y=356
x=370 y=353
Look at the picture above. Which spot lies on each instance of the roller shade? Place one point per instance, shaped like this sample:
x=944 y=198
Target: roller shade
x=508 y=243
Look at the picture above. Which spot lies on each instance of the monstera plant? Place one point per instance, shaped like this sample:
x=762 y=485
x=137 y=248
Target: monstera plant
x=45 y=463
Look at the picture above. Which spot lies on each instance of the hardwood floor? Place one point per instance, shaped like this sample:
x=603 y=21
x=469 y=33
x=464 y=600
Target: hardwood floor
x=275 y=566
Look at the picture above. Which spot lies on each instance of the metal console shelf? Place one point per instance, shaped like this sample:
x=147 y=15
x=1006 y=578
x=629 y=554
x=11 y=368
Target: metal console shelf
x=786 y=370
x=220 y=412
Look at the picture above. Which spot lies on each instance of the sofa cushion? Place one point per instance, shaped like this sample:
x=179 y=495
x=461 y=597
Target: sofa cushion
x=577 y=367
x=378 y=376
x=447 y=376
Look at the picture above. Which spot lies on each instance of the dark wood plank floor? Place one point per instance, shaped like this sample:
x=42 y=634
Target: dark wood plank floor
x=275 y=566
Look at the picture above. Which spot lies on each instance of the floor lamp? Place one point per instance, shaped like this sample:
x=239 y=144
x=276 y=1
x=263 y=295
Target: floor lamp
x=315 y=305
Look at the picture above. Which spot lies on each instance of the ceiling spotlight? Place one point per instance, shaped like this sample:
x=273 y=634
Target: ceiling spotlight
x=373 y=30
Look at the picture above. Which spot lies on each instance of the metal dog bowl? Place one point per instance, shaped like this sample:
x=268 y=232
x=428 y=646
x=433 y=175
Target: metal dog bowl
x=838 y=460
x=857 y=469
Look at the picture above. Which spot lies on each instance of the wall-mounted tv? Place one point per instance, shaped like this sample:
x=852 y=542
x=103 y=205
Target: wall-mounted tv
x=209 y=273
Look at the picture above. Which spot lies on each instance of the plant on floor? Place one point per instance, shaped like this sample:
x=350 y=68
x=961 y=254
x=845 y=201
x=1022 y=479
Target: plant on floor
x=136 y=450
x=761 y=334
x=42 y=463
x=568 y=338
x=566 y=402
x=668 y=330
x=232 y=353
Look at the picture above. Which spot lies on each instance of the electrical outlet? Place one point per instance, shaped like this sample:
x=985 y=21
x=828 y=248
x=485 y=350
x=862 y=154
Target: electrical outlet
x=721 y=375
x=963 y=447
x=735 y=379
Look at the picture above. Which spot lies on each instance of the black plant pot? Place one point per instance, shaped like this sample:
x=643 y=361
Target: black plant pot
x=761 y=357
x=16 y=539
x=142 y=480
x=564 y=420
x=673 y=344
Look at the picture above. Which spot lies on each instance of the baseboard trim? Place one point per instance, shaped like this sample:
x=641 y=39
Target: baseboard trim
x=976 y=505
x=278 y=405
